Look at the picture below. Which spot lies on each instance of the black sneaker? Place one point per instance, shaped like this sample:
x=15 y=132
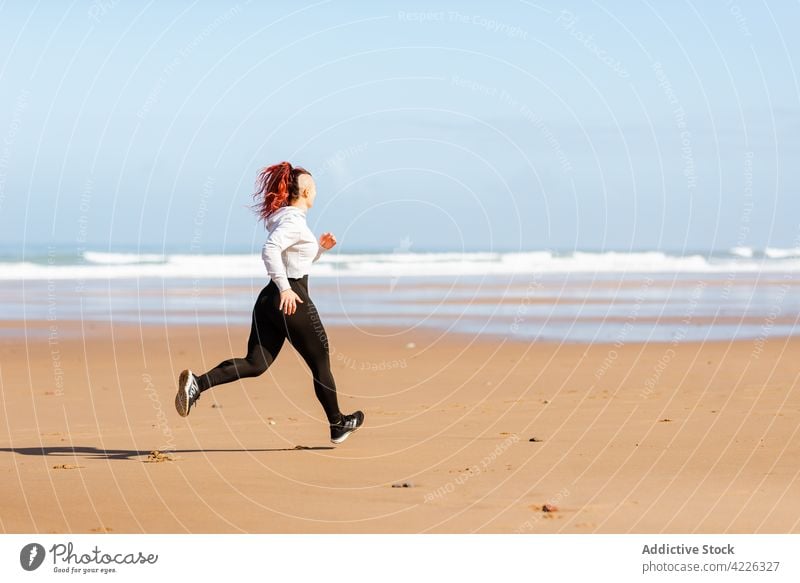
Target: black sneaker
x=188 y=392
x=348 y=424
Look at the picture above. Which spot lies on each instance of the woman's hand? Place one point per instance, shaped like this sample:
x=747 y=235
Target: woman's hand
x=327 y=240
x=288 y=299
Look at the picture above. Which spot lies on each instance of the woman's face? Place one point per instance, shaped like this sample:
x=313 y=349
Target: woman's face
x=307 y=188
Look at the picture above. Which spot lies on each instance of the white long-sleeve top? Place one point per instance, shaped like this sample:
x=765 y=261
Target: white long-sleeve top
x=291 y=247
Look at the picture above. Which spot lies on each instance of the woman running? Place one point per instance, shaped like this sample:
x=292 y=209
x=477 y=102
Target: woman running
x=283 y=310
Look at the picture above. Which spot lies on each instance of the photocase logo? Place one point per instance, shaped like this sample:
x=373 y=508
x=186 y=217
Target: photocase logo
x=31 y=556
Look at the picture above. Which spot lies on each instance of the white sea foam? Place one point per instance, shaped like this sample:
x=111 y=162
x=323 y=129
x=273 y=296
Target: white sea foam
x=742 y=251
x=774 y=253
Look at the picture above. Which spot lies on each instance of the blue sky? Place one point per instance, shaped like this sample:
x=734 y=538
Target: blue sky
x=428 y=125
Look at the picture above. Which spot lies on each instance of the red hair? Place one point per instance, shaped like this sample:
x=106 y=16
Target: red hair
x=276 y=187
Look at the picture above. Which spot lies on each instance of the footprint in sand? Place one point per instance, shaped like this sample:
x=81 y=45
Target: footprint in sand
x=158 y=457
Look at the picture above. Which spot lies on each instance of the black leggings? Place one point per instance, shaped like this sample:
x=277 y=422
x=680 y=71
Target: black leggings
x=270 y=327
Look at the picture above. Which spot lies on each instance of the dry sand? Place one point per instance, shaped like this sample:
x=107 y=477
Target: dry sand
x=637 y=438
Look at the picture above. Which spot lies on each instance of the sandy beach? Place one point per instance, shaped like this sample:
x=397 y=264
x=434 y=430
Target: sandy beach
x=463 y=434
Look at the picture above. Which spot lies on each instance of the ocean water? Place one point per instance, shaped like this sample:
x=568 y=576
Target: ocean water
x=53 y=263
x=582 y=296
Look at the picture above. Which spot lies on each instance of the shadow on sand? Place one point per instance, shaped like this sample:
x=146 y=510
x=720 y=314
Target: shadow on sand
x=132 y=454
